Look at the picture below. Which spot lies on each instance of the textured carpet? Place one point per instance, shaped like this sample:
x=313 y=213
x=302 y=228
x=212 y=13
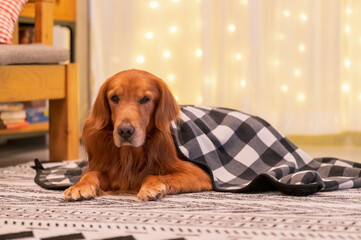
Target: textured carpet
x=29 y=212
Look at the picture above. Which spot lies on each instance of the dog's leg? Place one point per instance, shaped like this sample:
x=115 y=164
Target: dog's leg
x=90 y=186
x=188 y=178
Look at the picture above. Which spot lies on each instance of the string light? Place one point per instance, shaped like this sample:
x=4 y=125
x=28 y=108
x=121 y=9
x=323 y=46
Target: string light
x=116 y=59
x=208 y=81
x=284 y=88
x=359 y=97
x=345 y=87
x=176 y=98
x=199 y=99
x=140 y=59
x=301 y=97
x=171 y=77
x=280 y=36
x=303 y=17
x=173 y=29
x=286 y=13
x=347 y=63
x=301 y=47
x=238 y=56
x=231 y=28
x=175 y=0
x=243 y=83
x=149 y=35
x=199 y=52
x=166 y=54
x=347 y=29
x=297 y=72
x=153 y=4
x=348 y=10
x=245 y=2
x=276 y=62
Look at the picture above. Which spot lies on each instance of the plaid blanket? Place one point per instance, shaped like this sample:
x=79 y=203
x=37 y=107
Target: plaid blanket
x=241 y=152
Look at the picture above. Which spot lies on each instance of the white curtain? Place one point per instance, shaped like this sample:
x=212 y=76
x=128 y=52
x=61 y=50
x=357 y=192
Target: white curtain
x=296 y=63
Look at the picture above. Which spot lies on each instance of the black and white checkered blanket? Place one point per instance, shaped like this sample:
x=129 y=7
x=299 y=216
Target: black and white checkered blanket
x=242 y=153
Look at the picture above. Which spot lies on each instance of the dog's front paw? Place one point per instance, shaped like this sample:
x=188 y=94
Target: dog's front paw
x=151 y=192
x=80 y=192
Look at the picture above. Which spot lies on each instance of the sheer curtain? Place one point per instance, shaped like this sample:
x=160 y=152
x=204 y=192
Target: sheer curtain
x=294 y=63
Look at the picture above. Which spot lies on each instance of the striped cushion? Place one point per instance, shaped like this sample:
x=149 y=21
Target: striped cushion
x=9 y=12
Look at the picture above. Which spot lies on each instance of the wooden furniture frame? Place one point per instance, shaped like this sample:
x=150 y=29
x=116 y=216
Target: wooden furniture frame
x=58 y=83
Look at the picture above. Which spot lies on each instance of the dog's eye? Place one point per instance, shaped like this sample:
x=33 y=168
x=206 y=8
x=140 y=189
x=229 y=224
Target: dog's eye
x=144 y=100
x=115 y=99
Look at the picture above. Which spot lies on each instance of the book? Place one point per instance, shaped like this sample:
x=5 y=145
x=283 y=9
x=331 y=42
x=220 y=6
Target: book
x=16 y=106
x=14 y=125
x=12 y=120
x=37 y=119
x=17 y=125
x=13 y=115
x=37 y=114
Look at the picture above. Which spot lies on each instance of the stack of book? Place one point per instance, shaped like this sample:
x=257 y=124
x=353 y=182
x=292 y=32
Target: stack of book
x=12 y=115
x=37 y=111
x=21 y=114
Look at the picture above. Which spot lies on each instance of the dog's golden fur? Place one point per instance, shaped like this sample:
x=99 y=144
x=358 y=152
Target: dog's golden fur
x=129 y=142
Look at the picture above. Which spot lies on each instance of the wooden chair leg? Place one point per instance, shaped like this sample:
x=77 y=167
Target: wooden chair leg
x=64 y=120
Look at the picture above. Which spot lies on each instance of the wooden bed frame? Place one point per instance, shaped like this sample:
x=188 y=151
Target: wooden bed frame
x=58 y=83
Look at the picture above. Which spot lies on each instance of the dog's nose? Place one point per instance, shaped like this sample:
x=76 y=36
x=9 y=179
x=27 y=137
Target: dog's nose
x=126 y=130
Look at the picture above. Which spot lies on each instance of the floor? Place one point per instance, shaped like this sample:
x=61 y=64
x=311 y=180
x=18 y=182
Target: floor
x=24 y=150
x=18 y=151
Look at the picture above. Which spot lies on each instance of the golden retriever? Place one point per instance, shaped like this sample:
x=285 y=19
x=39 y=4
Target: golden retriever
x=129 y=144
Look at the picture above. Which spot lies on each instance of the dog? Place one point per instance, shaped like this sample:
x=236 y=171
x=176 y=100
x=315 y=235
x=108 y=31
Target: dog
x=129 y=143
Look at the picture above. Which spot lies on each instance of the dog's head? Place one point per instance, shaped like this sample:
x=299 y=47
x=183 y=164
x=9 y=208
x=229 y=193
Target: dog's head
x=132 y=103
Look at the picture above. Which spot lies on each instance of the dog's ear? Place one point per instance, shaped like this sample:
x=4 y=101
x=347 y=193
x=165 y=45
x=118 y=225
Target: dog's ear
x=167 y=108
x=100 y=113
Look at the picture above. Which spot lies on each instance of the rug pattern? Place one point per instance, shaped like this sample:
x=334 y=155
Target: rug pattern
x=28 y=211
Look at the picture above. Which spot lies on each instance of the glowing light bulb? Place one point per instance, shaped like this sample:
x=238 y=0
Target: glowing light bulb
x=171 y=78
x=286 y=13
x=297 y=72
x=345 y=87
x=280 y=36
x=140 y=59
x=303 y=17
x=348 y=10
x=153 y=4
x=173 y=29
x=166 y=54
x=238 y=56
x=245 y=2
x=231 y=28
x=301 y=47
x=347 y=63
x=116 y=59
x=243 y=83
x=199 y=52
x=199 y=99
x=359 y=97
x=175 y=0
x=149 y=35
x=284 y=88
x=301 y=97
x=276 y=62
x=347 y=29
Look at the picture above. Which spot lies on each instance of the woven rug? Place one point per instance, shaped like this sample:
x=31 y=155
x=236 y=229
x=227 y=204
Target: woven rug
x=28 y=211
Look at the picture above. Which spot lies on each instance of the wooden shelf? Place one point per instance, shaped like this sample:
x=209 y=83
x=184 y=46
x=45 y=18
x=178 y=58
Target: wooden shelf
x=64 y=10
x=44 y=126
